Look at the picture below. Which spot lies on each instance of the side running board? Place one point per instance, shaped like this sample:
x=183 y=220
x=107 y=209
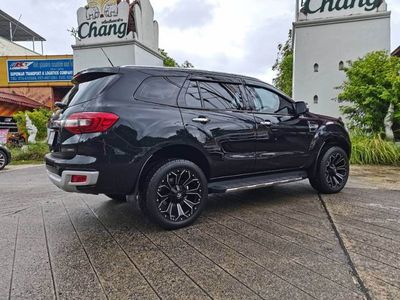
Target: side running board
x=247 y=183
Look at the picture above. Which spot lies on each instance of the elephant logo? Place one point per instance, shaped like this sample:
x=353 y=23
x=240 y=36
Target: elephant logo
x=101 y=8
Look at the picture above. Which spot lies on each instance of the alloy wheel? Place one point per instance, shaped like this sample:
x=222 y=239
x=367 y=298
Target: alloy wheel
x=179 y=195
x=2 y=160
x=336 y=171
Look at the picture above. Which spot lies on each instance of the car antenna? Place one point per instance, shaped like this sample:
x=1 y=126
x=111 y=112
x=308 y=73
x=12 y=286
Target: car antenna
x=105 y=54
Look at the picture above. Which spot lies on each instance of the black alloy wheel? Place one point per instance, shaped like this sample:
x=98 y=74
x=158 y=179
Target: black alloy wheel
x=179 y=195
x=176 y=194
x=336 y=170
x=332 y=173
x=3 y=160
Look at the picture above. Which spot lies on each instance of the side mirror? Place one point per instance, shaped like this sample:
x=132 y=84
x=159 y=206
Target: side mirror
x=301 y=108
x=60 y=105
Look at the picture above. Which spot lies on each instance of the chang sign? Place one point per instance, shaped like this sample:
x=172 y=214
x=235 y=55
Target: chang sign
x=102 y=21
x=329 y=8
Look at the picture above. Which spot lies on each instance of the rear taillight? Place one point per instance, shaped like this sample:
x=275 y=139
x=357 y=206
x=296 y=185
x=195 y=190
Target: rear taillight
x=90 y=122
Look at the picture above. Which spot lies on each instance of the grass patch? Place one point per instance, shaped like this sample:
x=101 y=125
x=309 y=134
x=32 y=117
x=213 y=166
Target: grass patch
x=374 y=150
x=32 y=153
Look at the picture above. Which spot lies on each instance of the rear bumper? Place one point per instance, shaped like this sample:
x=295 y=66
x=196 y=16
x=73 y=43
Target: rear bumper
x=64 y=181
x=104 y=176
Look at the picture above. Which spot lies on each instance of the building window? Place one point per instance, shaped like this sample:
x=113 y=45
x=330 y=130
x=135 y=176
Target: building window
x=316 y=68
x=341 y=66
x=316 y=99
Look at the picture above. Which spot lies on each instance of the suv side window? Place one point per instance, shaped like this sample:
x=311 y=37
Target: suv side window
x=266 y=101
x=221 y=96
x=192 y=98
x=161 y=90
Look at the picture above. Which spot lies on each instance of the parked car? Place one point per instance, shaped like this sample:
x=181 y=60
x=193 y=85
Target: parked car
x=170 y=137
x=5 y=157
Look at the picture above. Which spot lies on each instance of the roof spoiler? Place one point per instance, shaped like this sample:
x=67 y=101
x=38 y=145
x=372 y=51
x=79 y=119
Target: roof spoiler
x=93 y=74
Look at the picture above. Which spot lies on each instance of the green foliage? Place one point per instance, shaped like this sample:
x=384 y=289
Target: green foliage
x=373 y=150
x=284 y=67
x=31 y=152
x=373 y=82
x=39 y=118
x=170 y=62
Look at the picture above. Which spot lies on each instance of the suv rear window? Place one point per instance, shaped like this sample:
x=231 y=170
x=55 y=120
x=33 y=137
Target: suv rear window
x=161 y=90
x=86 y=91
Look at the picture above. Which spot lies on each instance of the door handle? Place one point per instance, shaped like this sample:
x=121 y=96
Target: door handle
x=201 y=119
x=266 y=123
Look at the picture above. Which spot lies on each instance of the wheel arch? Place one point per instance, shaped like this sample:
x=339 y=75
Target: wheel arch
x=332 y=141
x=181 y=151
x=328 y=142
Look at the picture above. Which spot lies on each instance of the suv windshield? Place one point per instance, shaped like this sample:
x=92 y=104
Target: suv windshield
x=86 y=91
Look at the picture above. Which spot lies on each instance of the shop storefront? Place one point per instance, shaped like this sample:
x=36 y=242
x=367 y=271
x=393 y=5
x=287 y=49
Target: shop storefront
x=28 y=82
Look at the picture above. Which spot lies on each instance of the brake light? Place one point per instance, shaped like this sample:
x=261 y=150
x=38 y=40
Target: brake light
x=90 y=122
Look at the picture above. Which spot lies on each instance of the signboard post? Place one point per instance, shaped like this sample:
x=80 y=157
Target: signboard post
x=20 y=71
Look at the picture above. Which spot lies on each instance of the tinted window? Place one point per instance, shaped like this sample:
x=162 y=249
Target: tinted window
x=193 y=95
x=87 y=90
x=162 y=90
x=221 y=96
x=266 y=101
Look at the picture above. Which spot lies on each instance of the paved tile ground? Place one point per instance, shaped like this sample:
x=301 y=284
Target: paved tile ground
x=277 y=243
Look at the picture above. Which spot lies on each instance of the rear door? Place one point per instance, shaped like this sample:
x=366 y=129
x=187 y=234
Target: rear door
x=216 y=116
x=283 y=139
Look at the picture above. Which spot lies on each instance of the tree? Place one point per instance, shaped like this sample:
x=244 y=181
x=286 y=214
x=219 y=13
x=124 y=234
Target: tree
x=187 y=65
x=371 y=93
x=284 y=67
x=170 y=62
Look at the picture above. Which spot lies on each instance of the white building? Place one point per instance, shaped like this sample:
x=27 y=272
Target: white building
x=327 y=35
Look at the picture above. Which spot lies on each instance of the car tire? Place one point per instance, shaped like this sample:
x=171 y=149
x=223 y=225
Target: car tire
x=332 y=173
x=118 y=198
x=175 y=193
x=3 y=159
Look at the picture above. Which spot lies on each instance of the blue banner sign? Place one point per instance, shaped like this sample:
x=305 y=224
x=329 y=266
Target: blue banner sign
x=46 y=70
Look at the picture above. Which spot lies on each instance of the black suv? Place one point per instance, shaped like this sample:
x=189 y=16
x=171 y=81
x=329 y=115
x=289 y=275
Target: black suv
x=169 y=137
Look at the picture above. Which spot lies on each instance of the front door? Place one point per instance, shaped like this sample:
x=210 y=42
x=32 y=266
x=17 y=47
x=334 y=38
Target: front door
x=283 y=139
x=216 y=116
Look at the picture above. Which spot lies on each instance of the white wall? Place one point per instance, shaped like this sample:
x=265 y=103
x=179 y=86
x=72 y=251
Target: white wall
x=327 y=43
x=8 y=48
x=143 y=58
x=122 y=53
x=316 y=5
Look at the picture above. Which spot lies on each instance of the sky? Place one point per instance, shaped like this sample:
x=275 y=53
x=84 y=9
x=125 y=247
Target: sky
x=224 y=35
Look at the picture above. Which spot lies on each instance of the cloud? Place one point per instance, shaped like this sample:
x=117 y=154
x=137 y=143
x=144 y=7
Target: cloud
x=187 y=14
x=227 y=35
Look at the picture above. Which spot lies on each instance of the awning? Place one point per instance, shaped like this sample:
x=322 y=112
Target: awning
x=19 y=100
x=19 y=32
